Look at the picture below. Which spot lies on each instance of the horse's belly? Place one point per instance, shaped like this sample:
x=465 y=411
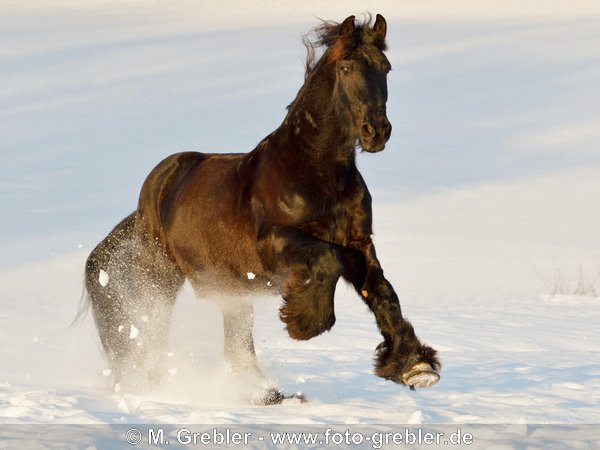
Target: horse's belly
x=220 y=259
x=211 y=235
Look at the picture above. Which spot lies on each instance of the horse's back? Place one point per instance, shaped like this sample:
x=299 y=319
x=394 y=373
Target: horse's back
x=184 y=177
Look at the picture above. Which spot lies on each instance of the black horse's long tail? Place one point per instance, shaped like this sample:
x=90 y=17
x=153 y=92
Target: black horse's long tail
x=84 y=306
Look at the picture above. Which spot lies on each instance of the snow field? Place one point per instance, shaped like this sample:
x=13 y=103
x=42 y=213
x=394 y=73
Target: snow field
x=487 y=189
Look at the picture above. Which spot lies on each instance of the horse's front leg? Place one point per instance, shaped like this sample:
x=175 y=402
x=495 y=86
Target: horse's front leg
x=307 y=270
x=238 y=320
x=401 y=357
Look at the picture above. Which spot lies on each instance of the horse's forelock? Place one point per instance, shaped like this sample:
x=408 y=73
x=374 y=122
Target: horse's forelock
x=327 y=36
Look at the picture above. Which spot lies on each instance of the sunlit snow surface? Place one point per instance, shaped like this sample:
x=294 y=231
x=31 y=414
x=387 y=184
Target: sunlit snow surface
x=485 y=201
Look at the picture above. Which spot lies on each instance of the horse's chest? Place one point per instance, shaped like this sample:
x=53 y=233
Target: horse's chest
x=323 y=214
x=295 y=206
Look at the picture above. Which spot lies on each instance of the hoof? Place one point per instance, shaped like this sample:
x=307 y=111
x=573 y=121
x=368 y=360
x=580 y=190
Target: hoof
x=275 y=397
x=421 y=375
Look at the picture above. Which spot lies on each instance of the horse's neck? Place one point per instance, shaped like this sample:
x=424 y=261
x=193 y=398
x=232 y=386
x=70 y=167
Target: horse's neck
x=314 y=128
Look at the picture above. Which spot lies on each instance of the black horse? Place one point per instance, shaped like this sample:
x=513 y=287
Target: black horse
x=290 y=217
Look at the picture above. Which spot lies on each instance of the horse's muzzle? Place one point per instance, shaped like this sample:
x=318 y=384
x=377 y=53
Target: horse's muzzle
x=374 y=133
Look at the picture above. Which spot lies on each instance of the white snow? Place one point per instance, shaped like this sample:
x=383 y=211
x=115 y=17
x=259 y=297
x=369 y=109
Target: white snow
x=103 y=278
x=251 y=275
x=133 y=332
x=485 y=203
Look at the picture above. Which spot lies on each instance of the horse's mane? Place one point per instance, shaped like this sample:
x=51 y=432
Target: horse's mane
x=327 y=35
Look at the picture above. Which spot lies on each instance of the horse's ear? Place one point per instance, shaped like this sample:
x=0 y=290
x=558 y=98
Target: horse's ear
x=380 y=27
x=347 y=26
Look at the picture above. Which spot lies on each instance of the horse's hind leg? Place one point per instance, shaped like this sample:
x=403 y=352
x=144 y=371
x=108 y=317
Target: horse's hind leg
x=132 y=288
x=163 y=298
x=157 y=282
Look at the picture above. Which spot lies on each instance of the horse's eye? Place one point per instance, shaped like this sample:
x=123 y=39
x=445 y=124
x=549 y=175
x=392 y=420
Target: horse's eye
x=345 y=70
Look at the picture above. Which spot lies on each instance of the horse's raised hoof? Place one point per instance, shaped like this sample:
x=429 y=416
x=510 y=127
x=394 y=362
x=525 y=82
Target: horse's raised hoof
x=420 y=376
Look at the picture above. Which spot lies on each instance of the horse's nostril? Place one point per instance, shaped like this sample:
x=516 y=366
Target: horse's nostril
x=368 y=130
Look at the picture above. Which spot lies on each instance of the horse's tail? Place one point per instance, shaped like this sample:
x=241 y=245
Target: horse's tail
x=84 y=306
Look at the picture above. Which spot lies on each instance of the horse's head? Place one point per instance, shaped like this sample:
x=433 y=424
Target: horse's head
x=360 y=88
